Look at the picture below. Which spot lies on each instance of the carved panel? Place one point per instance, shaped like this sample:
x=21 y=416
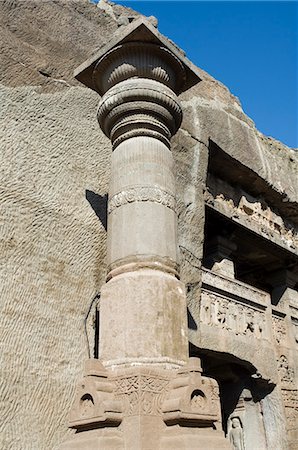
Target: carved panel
x=233 y=316
x=279 y=330
x=142 y=194
x=141 y=393
x=290 y=399
x=286 y=372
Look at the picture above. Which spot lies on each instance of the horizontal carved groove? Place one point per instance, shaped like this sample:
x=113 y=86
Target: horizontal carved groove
x=138 y=121
x=142 y=194
x=135 y=263
x=157 y=112
x=141 y=132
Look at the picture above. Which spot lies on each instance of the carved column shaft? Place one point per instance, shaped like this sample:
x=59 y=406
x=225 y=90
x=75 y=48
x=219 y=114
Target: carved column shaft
x=143 y=309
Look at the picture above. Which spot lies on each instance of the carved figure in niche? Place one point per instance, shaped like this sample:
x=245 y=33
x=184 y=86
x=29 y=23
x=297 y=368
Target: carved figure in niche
x=213 y=311
x=197 y=400
x=242 y=321
x=205 y=311
x=286 y=373
x=260 y=326
x=250 y=325
x=232 y=319
x=86 y=404
x=236 y=434
x=279 y=329
x=222 y=313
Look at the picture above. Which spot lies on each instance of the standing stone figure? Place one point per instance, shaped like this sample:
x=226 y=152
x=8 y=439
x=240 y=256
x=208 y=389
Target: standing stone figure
x=236 y=434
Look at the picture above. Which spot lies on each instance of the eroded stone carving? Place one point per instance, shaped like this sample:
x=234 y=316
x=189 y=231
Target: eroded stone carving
x=232 y=316
x=295 y=330
x=192 y=397
x=212 y=280
x=279 y=329
x=94 y=402
x=236 y=434
x=142 y=194
x=141 y=392
x=290 y=399
x=286 y=372
x=253 y=210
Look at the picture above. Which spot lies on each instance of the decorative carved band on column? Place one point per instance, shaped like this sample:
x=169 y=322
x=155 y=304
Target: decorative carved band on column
x=142 y=194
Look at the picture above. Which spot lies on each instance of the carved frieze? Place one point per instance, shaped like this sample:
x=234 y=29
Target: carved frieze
x=249 y=210
x=233 y=316
x=142 y=194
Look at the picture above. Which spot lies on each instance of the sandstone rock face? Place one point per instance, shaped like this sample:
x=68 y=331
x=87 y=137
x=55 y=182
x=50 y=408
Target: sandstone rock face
x=55 y=172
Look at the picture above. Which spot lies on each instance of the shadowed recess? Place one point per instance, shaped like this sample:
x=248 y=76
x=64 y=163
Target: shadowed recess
x=99 y=204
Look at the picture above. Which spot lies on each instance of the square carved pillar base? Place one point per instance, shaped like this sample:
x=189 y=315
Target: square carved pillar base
x=144 y=408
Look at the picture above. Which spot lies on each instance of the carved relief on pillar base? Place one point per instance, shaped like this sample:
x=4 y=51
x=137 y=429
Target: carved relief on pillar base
x=192 y=398
x=141 y=390
x=95 y=404
x=104 y=397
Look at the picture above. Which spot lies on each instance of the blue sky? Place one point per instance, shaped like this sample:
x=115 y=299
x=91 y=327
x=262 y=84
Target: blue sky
x=250 y=46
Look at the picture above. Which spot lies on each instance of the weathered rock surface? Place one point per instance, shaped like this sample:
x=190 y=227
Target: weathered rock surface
x=55 y=169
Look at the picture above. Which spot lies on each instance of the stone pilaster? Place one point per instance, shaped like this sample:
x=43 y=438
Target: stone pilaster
x=143 y=388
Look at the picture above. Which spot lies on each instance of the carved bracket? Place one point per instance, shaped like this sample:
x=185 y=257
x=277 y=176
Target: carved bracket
x=94 y=402
x=192 y=398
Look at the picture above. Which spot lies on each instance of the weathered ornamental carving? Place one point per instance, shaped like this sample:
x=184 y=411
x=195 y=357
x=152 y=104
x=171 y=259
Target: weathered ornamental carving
x=142 y=194
x=141 y=392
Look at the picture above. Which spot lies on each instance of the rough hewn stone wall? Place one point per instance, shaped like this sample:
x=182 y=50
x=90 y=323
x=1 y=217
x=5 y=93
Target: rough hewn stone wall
x=55 y=169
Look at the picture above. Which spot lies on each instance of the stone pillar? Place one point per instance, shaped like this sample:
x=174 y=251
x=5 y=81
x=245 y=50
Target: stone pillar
x=143 y=306
x=144 y=386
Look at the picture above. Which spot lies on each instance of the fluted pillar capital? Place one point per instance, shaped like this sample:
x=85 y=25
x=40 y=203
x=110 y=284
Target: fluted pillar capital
x=138 y=51
x=139 y=75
